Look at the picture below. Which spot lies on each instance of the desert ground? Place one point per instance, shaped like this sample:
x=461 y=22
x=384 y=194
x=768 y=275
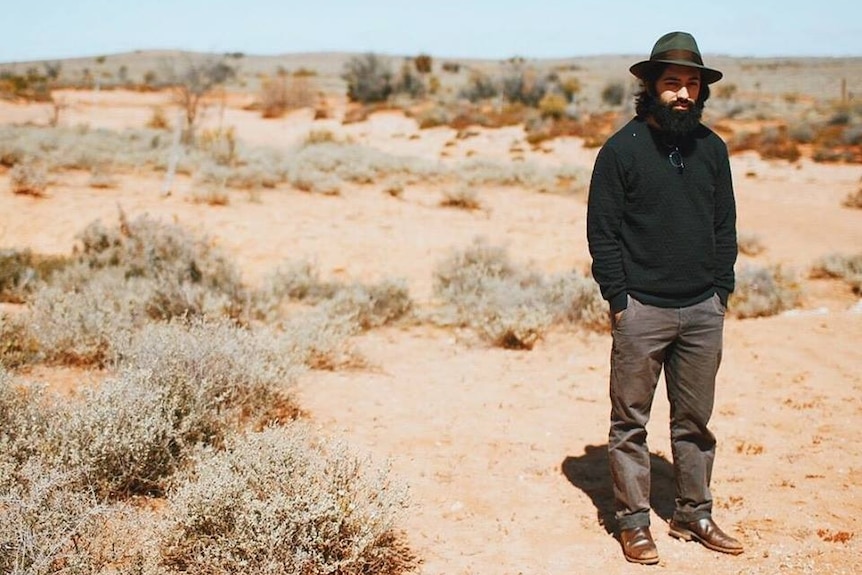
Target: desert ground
x=504 y=451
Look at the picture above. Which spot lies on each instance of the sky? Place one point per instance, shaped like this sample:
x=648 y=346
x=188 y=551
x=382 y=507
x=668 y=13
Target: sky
x=496 y=29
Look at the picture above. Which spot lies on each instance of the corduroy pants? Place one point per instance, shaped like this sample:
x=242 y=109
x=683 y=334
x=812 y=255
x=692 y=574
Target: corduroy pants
x=686 y=343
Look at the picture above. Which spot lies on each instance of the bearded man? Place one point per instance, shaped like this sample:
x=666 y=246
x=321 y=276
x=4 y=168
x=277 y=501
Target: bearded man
x=661 y=226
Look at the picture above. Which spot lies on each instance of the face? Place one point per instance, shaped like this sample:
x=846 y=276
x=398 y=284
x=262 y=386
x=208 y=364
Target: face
x=678 y=87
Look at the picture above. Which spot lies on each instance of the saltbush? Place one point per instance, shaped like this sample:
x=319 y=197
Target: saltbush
x=283 y=502
x=843 y=266
x=763 y=291
x=510 y=307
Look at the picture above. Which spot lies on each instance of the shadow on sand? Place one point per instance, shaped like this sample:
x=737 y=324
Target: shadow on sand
x=590 y=473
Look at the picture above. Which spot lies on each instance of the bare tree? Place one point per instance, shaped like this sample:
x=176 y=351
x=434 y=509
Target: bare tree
x=193 y=82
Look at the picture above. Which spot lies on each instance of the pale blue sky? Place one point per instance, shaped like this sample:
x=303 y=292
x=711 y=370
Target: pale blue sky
x=45 y=29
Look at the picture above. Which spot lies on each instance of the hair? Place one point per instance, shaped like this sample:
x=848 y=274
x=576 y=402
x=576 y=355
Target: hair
x=647 y=95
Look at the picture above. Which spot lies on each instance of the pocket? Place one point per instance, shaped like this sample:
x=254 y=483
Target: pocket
x=720 y=308
x=619 y=317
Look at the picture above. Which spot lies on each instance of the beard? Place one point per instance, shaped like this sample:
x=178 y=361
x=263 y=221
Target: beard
x=675 y=123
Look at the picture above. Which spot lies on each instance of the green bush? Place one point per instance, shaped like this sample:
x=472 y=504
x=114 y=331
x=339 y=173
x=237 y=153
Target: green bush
x=282 y=502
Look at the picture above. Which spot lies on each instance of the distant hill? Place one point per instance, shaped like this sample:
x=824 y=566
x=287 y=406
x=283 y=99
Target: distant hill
x=814 y=78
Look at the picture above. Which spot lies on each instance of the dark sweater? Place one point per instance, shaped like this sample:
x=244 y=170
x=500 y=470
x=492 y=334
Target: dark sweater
x=665 y=236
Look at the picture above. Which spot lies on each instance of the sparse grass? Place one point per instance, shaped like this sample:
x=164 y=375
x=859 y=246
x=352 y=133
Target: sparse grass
x=763 y=291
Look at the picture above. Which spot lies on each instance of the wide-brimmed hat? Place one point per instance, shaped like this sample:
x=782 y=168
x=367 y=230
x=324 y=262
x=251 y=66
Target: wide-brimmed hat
x=676 y=48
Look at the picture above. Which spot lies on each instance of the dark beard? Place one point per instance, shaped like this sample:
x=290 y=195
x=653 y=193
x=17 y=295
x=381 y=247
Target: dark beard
x=674 y=122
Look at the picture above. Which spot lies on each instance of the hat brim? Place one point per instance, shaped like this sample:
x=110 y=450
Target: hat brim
x=707 y=75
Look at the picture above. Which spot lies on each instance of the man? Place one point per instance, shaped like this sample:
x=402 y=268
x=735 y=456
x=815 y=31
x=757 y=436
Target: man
x=661 y=226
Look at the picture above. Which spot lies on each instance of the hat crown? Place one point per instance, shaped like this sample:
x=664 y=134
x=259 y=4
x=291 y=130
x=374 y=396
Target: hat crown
x=673 y=41
x=677 y=48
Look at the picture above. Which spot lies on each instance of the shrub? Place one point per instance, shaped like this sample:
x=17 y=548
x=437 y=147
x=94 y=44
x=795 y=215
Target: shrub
x=484 y=291
x=462 y=197
x=49 y=526
x=553 y=105
x=18 y=344
x=510 y=307
x=762 y=291
x=479 y=87
x=750 y=244
x=614 y=93
x=424 y=63
x=371 y=306
x=80 y=326
x=187 y=274
x=121 y=436
x=846 y=267
x=407 y=82
x=28 y=178
x=217 y=375
x=284 y=93
x=280 y=502
x=853 y=200
x=16 y=274
x=577 y=299
x=368 y=78
x=24 y=420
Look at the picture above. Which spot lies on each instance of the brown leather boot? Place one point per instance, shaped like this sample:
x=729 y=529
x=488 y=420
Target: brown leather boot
x=638 y=546
x=706 y=532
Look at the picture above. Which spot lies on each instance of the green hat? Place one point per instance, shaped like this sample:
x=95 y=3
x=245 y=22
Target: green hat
x=676 y=48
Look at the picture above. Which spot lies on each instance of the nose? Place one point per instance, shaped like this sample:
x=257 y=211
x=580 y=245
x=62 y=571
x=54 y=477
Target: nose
x=682 y=94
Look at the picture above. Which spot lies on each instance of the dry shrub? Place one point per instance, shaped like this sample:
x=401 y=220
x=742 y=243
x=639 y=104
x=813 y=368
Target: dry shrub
x=220 y=376
x=763 y=291
x=370 y=306
x=120 y=435
x=23 y=425
x=158 y=120
x=22 y=271
x=845 y=267
x=281 y=502
x=553 y=105
x=509 y=307
x=18 y=344
x=50 y=526
x=463 y=198
x=189 y=274
x=179 y=385
x=30 y=179
x=80 y=326
x=284 y=93
x=211 y=196
x=853 y=200
x=750 y=244
x=363 y=306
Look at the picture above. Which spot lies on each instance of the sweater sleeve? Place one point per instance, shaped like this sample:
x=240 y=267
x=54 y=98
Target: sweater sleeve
x=725 y=231
x=604 y=222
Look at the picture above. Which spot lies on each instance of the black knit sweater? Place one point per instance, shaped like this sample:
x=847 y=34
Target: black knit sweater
x=664 y=235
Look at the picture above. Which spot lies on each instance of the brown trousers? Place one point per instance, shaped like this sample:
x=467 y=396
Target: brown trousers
x=686 y=343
